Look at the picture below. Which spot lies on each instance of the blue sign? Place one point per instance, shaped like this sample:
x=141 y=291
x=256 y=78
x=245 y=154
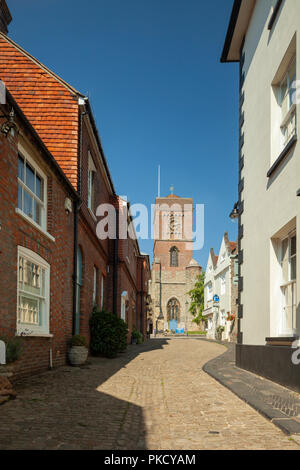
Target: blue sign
x=216 y=298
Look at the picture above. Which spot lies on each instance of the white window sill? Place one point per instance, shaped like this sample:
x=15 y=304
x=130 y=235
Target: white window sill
x=32 y=222
x=33 y=334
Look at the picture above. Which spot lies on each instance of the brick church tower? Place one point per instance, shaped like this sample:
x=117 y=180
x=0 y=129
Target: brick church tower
x=174 y=271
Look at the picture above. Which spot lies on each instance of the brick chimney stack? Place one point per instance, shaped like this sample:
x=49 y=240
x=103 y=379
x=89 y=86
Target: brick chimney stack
x=5 y=16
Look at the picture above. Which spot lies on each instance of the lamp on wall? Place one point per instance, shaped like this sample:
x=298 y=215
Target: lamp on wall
x=235 y=211
x=9 y=124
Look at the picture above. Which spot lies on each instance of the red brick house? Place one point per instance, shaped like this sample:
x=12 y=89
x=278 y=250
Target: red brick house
x=132 y=273
x=36 y=246
x=63 y=120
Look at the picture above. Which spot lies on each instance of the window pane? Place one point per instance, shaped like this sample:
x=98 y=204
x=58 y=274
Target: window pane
x=284 y=106
x=28 y=311
x=293 y=269
x=28 y=204
x=21 y=272
x=293 y=246
x=37 y=210
x=20 y=197
x=292 y=73
x=39 y=187
x=283 y=90
x=29 y=177
x=32 y=278
x=21 y=168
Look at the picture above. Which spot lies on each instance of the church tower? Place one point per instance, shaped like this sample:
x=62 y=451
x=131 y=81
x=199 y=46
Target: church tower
x=174 y=271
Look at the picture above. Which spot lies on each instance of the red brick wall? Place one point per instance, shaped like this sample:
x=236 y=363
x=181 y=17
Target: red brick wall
x=15 y=230
x=92 y=256
x=95 y=252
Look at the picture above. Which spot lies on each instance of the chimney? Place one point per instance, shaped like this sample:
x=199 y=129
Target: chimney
x=5 y=17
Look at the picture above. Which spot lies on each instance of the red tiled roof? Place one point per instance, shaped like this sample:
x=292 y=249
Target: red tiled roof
x=49 y=103
x=233 y=246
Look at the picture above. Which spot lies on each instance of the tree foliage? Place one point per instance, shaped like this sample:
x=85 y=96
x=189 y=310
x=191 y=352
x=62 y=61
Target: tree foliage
x=197 y=299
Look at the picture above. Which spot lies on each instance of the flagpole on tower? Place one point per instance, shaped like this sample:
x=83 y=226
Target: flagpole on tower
x=158 y=181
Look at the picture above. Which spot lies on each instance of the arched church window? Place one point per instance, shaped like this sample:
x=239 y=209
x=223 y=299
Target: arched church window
x=173 y=310
x=174 y=257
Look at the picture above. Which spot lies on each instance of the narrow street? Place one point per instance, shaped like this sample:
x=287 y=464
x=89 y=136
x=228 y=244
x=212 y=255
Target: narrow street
x=154 y=396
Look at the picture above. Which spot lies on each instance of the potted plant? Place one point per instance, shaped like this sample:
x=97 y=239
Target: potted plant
x=136 y=336
x=13 y=348
x=230 y=316
x=78 y=351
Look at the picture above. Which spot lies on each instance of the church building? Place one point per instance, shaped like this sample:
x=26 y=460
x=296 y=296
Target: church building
x=174 y=271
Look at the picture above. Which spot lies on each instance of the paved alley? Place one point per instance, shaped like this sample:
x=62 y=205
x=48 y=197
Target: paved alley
x=154 y=396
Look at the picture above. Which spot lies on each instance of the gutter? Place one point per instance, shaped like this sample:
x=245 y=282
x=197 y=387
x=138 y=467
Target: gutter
x=115 y=264
x=232 y=24
x=76 y=210
x=76 y=213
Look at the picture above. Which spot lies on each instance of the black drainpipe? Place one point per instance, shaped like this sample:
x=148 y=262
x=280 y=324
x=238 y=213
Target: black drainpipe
x=76 y=211
x=116 y=257
x=142 y=297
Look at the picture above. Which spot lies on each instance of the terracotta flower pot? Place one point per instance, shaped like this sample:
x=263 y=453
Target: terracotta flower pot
x=78 y=355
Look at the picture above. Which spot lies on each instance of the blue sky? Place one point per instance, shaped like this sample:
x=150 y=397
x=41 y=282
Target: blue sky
x=159 y=93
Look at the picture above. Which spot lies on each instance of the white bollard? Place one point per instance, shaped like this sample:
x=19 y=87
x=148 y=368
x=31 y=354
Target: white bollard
x=2 y=352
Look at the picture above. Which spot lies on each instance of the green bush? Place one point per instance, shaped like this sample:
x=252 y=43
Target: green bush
x=78 y=340
x=108 y=333
x=136 y=334
x=13 y=348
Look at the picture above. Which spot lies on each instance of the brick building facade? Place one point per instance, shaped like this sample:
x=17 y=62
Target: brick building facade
x=93 y=268
x=36 y=247
x=174 y=271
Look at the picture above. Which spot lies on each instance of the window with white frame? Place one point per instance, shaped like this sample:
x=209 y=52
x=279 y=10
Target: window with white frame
x=31 y=191
x=33 y=293
x=223 y=284
x=91 y=184
x=287 y=95
x=124 y=298
x=209 y=291
x=222 y=318
x=288 y=285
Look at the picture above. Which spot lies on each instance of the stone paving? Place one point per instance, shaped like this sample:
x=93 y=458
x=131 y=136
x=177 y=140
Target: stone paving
x=154 y=396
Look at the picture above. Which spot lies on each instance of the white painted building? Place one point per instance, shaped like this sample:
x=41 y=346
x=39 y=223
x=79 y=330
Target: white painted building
x=220 y=280
x=264 y=37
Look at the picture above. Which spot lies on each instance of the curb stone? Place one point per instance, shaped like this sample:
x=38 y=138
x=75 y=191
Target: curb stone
x=276 y=403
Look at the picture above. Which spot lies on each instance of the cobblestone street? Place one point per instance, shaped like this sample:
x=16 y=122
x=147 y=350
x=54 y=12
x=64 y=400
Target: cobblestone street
x=154 y=396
